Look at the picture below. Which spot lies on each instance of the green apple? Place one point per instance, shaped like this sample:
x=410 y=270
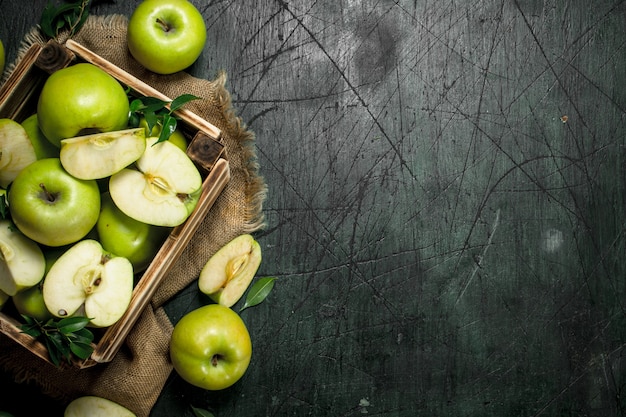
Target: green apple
x=177 y=137
x=43 y=147
x=163 y=190
x=210 y=347
x=81 y=99
x=101 y=155
x=51 y=206
x=166 y=36
x=124 y=236
x=93 y=406
x=29 y=302
x=228 y=273
x=16 y=151
x=89 y=281
x=22 y=263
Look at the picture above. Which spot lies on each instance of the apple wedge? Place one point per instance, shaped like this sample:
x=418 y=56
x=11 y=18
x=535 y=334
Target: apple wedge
x=93 y=406
x=229 y=272
x=16 y=151
x=22 y=263
x=89 y=281
x=101 y=155
x=163 y=190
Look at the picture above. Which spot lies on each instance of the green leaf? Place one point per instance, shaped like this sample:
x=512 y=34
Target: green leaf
x=81 y=350
x=70 y=16
x=169 y=126
x=259 y=292
x=199 y=412
x=181 y=100
x=72 y=324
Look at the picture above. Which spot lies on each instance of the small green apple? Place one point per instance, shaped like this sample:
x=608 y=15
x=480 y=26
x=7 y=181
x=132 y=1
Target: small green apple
x=29 y=302
x=101 y=155
x=52 y=207
x=81 y=99
x=228 y=273
x=211 y=347
x=89 y=281
x=166 y=36
x=22 y=263
x=43 y=147
x=124 y=236
x=16 y=151
x=163 y=190
x=92 y=406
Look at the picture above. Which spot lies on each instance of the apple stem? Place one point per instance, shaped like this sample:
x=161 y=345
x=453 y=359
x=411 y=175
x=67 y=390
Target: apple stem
x=164 y=26
x=50 y=197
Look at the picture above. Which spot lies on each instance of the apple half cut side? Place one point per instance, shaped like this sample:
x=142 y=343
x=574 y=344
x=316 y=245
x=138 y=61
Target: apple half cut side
x=89 y=281
x=163 y=190
x=229 y=272
x=22 y=263
x=16 y=151
x=100 y=155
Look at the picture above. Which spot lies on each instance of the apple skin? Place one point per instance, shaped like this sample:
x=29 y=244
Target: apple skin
x=81 y=99
x=72 y=214
x=43 y=147
x=93 y=406
x=124 y=236
x=166 y=36
x=30 y=302
x=210 y=347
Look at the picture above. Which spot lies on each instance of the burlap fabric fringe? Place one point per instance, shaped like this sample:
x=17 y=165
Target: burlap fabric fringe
x=138 y=373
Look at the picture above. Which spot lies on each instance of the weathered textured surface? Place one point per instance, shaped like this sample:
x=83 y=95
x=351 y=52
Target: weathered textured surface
x=445 y=209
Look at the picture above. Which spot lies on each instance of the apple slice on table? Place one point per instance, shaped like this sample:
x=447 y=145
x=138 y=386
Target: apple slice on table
x=89 y=281
x=16 y=151
x=101 y=155
x=229 y=272
x=163 y=190
x=22 y=263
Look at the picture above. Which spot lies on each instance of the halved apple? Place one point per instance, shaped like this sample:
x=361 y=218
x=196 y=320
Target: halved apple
x=22 y=263
x=101 y=155
x=89 y=281
x=16 y=151
x=163 y=190
x=229 y=272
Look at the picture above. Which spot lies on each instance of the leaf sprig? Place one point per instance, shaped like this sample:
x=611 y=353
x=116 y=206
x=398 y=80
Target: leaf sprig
x=69 y=15
x=63 y=338
x=258 y=292
x=158 y=113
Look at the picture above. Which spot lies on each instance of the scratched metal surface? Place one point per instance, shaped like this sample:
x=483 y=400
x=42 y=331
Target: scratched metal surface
x=445 y=211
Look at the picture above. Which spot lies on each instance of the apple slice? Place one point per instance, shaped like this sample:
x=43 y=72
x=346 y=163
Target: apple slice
x=16 y=151
x=96 y=407
x=89 y=281
x=22 y=263
x=163 y=190
x=229 y=272
x=101 y=155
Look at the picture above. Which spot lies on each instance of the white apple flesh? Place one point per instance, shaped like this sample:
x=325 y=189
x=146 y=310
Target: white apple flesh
x=163 y=190
x=87 y=280
x=229 y=272
x=22 y=263
x=16 y=151
x=100 y=155
x=93 y=406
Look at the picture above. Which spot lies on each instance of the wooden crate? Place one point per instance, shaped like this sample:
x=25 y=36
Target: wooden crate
x=18 y=100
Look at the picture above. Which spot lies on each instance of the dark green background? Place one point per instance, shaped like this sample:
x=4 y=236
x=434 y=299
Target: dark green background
x=446 y=205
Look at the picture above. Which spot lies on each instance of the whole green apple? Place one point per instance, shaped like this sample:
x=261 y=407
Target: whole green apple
x=29 y=302
x=52 y=207
x=124 y=236
x=81 y=99
x=166 y=36
x=211 y=347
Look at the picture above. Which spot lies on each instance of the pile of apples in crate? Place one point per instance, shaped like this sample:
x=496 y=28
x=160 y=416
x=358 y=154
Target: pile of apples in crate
x=92 y=183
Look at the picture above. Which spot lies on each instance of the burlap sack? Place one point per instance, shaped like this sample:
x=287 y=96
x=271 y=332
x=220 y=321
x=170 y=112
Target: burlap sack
x=138 y=373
